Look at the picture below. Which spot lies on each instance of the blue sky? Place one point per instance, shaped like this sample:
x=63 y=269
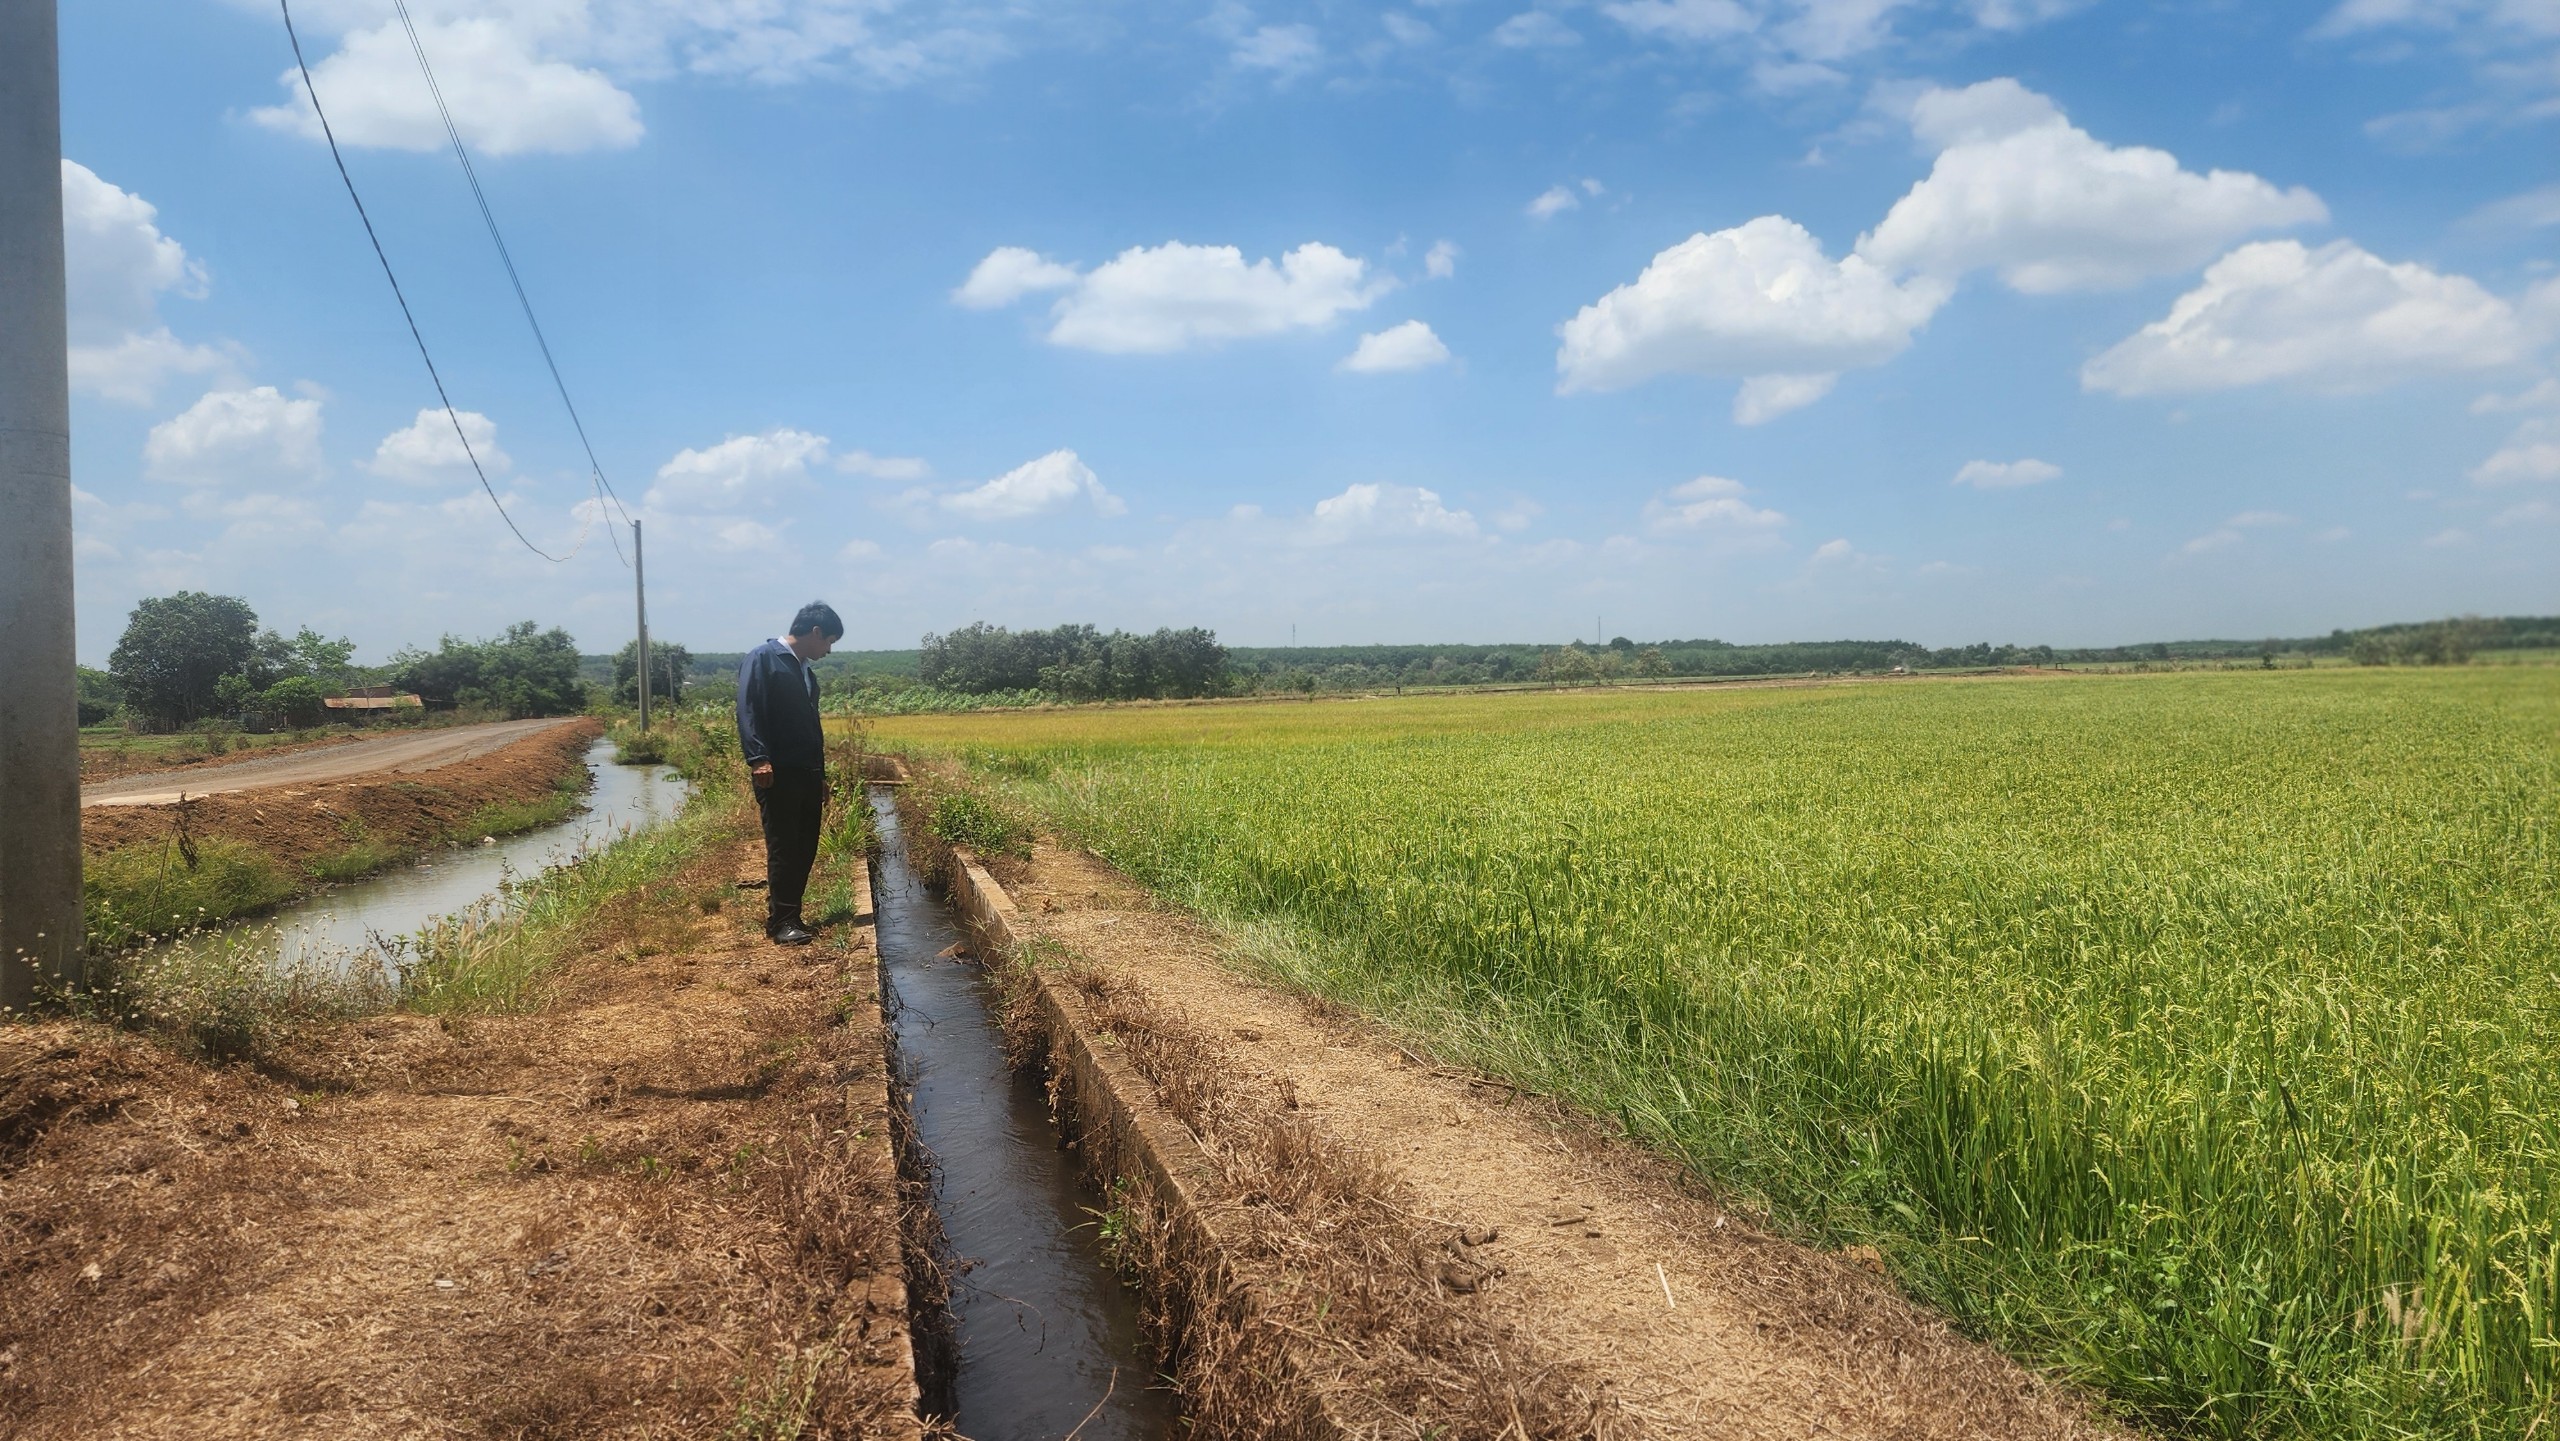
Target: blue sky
x=2073 y=321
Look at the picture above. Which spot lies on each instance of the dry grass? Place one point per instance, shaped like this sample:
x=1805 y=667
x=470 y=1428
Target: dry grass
x=655 y=1207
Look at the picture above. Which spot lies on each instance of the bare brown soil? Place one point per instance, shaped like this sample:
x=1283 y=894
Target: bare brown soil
x=661 y=1206
x=297 y=824
x=106 y=760
x=406 y=751
x=1613 y=1296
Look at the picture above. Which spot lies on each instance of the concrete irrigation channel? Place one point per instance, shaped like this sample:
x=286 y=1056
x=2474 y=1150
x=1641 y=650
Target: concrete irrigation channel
x=1042 y=1338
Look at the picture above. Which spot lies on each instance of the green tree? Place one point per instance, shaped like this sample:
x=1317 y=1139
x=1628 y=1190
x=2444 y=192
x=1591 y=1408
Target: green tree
x=1075 y=662
x=668 y=667
x=521 y=672
x=1570 y=666
x=310 y=654
x=99 y=696
x=298 y=700
x=177 y=648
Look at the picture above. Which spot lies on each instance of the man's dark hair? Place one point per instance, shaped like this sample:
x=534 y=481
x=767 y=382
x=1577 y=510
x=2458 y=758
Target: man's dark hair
x=817 y=615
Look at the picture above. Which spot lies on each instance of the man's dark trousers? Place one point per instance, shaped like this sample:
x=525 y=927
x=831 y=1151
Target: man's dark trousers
x=790 y=808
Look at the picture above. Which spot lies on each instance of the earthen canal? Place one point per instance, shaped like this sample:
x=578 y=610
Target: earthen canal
x=366 y=923
x=1046 y=1335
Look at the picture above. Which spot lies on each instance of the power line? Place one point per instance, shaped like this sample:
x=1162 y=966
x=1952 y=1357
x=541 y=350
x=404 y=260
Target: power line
x=507 y=258
x=396 y=293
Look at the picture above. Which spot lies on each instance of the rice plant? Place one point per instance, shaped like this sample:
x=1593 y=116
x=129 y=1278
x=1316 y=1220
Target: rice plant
x=2193 y=1036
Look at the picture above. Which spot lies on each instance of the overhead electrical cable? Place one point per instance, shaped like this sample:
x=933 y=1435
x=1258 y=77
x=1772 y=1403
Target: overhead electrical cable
x=396 y=293
x=488 y=217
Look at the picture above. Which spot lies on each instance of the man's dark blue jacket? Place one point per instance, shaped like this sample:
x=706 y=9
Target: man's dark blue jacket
x=778 y=710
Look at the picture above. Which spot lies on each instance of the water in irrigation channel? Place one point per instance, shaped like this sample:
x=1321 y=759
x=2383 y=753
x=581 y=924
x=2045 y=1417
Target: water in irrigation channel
x=1048 y=1336
x=349 y=925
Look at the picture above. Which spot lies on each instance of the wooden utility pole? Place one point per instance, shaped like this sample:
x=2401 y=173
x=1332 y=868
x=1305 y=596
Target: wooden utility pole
x=40 y=914
x=640 y=592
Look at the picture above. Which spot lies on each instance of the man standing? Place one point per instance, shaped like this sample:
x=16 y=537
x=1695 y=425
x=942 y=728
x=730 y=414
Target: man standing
x=785 y=750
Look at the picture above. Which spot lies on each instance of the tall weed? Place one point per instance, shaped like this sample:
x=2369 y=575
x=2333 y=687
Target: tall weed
x=163 y=888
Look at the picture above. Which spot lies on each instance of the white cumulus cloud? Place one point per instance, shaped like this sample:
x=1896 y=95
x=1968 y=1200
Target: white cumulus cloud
x=2006 y=474
x=741 y=471
x=117 y=267
x=2531 y=456
x=118 y=264
x=1173 y=297
x=1534 y=30
x=1553 y=201
x=2336 y=318
x=1009 y=273
x=1406 y=29
x=131 y=367
x=505 y=99
x=2525 y=17
x=2018 y=188
x=1758 y=301
x=1709 y=503
x=875 y=43
x=1441 y=261
x=1792 y=32
x=1690 y=20
x=1763 y=398
x=882 y=467
x=1367 y=510
x=2020 y=14
x=1287 y=51
x=2231 y=532
x=2543 y=394
x=1410 y=346
x=237 y=438
x=1037 y=487
x=428 y=452
x=1837 y=29
x=1841 y=554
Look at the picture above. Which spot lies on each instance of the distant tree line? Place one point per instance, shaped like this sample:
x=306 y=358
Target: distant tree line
x=193 y=657
x=1075 y=662
x=522 y=671
x=1373 y=667
x=2441 y=642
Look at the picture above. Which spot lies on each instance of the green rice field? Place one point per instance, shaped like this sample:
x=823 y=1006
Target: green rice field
x=2196 y=1037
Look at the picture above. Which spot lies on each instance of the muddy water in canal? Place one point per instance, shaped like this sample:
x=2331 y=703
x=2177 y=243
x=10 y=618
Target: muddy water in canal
x=1047 y=1334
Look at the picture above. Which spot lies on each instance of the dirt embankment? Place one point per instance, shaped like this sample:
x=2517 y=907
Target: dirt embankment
x=661 y=1206
x=1433 y=1253
x=394 y=814
x=105 y=760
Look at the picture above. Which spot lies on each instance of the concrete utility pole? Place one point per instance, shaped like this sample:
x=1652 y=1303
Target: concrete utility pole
x=40 y=918
x=640 y=593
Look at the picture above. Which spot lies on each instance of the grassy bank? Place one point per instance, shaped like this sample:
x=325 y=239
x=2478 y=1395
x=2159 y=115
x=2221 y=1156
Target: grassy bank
x=495 y=956
x=222 y=995
x=226 y=857
x=2192 y=1035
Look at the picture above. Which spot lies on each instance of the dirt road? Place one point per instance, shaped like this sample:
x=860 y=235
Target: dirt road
x=404 y=754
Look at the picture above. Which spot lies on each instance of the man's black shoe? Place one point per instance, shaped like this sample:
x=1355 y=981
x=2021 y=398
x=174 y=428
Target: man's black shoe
x=791 y=933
